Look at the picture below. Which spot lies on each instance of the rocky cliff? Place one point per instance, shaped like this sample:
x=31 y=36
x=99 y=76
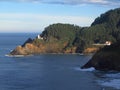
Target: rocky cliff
x=108 y=58
x=43 y=47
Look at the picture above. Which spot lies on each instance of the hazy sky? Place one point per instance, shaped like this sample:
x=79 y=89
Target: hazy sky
x=35 y=15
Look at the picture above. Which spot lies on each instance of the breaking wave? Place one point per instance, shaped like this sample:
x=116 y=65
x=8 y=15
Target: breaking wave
x=110 y=80
x=85 y=70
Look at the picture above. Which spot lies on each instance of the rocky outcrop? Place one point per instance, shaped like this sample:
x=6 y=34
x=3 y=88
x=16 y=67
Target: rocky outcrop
x=26 y=50
x=19 y=50
x=106 y=59
x=91 y=50
x=70 y=50
x=41 y=48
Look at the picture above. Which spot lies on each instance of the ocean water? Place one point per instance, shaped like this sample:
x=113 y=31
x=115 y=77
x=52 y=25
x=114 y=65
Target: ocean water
x=49 y=71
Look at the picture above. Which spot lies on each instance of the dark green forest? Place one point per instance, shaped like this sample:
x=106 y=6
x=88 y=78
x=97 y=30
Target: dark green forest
x=106 y=27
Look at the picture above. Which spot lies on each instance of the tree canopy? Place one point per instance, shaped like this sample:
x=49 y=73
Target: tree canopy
x=106 y=27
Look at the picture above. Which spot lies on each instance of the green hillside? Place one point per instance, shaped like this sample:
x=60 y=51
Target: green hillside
x=104 y=28
x=67 y=38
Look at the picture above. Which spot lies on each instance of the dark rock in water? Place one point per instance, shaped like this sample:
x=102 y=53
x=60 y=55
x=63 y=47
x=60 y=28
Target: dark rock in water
x=106 y=59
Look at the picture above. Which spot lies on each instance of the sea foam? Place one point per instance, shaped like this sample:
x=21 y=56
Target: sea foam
x=115 y=83
x=17 y=55
x=85 y=70
x=111 y=80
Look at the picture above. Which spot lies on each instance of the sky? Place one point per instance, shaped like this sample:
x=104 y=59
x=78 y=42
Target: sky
x=35 y=15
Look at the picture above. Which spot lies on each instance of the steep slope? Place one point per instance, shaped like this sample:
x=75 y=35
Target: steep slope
x=111 y=22
x=56 y=38
x=108 y=58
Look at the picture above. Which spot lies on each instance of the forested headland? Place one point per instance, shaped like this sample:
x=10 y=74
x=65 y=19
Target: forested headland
x=67 y=38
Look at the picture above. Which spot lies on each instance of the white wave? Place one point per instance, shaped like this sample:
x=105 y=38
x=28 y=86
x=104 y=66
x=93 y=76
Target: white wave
x=115 y=83
x=17 y=55
x=85 y=70
x=110 y=80
x=115 y=75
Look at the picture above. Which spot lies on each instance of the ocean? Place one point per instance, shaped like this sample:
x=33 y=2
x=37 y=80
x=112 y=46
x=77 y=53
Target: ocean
x=49 y=71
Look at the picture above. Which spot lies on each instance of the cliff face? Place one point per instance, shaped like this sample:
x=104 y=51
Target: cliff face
x=91 y=50
x=26 y=50
x=106 y=59
x=43 y=47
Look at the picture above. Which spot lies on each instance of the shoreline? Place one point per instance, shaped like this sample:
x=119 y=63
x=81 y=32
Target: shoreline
x=81 y=54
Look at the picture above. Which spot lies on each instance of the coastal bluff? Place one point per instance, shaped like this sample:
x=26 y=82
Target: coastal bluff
x=106 y=59
x=31 y=48
x=56 y=38
x=70 y=38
